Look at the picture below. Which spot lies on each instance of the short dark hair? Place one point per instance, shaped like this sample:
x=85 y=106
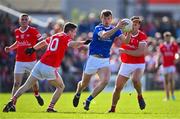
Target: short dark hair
x=106 y=13
x=137 y=18
x=69 y=26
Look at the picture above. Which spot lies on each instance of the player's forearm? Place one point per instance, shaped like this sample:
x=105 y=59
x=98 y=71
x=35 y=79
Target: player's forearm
x=76 y=44
x=13 y=46
x=157 y=61
x=109 y=33
x=127 y=39
x=40 y=45
x=136 y=53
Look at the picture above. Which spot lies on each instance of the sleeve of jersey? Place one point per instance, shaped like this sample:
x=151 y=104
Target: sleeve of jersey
x=47 y=40
x=15 y=33
x=160 y=48
x=176 y=47
x=143 y=38
x=118 y=33
x=37 y=33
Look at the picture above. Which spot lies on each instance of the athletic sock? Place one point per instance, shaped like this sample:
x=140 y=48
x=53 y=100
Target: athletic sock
x=90 y=98
x=78 y=95
x=113 y=107
x=36 y=93
x=14 y=99
x=140 y=97
x=51 y=106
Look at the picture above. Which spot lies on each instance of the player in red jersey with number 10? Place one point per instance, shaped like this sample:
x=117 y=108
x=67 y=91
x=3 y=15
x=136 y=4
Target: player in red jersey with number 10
x=48 y=65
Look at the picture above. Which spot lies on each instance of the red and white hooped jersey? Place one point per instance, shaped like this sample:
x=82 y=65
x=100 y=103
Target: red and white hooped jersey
x=168 y=52
x=57 y=46
x=133 y=45
x=25 y=39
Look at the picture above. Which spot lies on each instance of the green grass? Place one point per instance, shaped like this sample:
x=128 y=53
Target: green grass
x=27 y=107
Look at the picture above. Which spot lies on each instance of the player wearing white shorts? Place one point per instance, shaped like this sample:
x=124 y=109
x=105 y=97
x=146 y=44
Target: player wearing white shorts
x=26 y=36
x=99 y=53
x=47 y=67
x=133 y=64
x=167 y=51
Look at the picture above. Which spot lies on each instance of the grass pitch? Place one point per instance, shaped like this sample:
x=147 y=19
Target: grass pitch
x=28 y=108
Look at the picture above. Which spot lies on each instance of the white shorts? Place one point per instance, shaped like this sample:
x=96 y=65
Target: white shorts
x=22 y=67
x=94 y=63
x=169 y=69
x=127 y=69
x=43 y=71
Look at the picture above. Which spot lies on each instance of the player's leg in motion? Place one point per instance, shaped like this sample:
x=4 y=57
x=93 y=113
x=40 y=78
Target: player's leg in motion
x=18 y=77
x=17 y=82
x=27 y=85
x=37 y=95
x=136 y=77
x=58 y=83
x=80 y=87
x=120 y=82
x=104 y=75
x=166 y=85
x=172 y=86
x=35 y=87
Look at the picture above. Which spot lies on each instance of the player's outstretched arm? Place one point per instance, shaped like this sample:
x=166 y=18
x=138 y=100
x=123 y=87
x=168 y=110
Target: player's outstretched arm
x=78 y=44
x=38 y=46
x=10 y=48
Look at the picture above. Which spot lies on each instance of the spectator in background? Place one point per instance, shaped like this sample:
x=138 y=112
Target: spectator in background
x=166 y=25
x=58 y=26
x=167 y=51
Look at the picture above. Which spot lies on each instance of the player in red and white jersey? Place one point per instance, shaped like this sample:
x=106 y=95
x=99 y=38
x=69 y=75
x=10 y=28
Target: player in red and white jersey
x=54 y=51
x=47 y=67
x=167 y=51
x=133 y=64
x=26 y=36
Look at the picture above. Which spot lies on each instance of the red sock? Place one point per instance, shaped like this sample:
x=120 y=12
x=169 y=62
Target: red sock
x=113 y=108
x=140 y=97
x=51 y=106
x=14 y=99
x=36 y=90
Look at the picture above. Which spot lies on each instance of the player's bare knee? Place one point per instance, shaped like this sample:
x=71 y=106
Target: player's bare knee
x=104 y=82
x=118 y=89
x=136 y=82
x=83 y=84
x=62 y=86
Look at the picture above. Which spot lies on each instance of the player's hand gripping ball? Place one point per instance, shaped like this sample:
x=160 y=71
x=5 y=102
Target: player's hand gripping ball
x=128 y=25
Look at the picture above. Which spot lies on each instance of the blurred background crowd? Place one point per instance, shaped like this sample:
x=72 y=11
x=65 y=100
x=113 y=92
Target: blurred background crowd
x=71 y=69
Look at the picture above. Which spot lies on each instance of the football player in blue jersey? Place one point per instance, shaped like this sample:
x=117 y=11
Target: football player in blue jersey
x=99 y=53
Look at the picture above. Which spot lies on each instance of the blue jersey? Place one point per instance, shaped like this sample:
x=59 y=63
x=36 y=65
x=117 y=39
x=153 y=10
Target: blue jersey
x=101 y=46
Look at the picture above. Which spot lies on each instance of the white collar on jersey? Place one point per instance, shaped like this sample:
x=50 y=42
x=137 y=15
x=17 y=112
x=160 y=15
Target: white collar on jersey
x=24 y=30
